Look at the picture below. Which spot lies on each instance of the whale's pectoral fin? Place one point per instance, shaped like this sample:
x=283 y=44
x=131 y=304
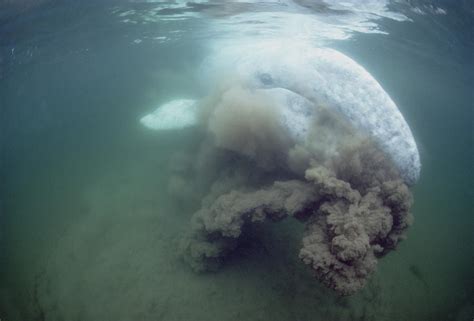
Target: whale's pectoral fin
x=175 y=114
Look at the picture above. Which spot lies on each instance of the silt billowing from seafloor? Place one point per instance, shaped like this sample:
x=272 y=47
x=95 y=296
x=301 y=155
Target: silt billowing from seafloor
x=286 y=139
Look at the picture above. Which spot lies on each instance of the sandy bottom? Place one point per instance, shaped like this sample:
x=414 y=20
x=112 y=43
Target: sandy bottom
x=95 y=237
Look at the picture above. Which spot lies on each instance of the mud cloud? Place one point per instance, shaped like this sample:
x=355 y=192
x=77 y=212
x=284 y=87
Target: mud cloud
x=249 y=168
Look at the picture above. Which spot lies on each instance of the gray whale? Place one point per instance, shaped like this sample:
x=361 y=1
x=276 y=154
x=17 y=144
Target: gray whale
x=297 y=73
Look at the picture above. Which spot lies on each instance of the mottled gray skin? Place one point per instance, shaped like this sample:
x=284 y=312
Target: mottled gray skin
x=327 y=78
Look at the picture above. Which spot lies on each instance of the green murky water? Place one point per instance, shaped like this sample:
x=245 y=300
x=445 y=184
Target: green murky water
x=89 y=230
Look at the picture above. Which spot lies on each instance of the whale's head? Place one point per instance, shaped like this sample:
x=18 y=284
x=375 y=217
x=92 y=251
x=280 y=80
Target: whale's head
x=323 y=77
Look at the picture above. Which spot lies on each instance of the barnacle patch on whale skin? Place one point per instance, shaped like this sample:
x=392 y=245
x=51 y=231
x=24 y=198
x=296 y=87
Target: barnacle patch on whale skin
x=175 y=114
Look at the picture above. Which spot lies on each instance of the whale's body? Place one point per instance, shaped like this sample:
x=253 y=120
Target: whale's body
x=300 y=75
x=176 y=114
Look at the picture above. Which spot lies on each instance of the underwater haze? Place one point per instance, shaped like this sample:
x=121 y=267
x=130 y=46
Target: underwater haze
x=104 y=216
